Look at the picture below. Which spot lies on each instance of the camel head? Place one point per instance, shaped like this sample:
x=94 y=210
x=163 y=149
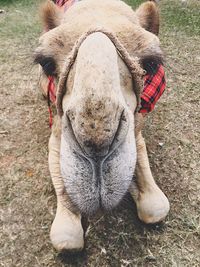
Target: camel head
x=97 y=99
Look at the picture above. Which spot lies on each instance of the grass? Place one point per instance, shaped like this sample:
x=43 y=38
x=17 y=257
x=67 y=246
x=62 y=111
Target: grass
x=182 y=16
x=27 y=200
x=19 y=21
x=178 y=15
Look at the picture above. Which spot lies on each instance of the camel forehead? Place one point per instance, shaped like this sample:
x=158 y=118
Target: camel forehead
x=115 y=16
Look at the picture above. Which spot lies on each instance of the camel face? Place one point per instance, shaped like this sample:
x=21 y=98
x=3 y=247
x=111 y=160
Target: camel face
x=97 y=153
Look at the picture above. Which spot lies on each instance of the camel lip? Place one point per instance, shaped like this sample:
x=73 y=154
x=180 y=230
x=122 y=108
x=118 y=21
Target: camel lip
x=98 y=205
x=100 y=201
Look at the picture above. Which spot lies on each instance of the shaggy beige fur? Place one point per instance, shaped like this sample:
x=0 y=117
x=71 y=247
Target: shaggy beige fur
x=148 y=15
x=51 y=15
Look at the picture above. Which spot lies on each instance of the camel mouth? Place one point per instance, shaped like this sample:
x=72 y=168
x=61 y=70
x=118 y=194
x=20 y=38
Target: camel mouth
x=96 y=187
x=98 y=181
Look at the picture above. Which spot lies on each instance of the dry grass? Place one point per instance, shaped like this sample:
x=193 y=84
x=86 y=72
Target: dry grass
x=27 y=198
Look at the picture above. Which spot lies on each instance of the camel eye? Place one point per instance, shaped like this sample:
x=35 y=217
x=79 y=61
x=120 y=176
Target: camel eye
x=150 y=63
x=48 y=64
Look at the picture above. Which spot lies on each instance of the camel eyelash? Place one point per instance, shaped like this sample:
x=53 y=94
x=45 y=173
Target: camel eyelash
x=48 y=64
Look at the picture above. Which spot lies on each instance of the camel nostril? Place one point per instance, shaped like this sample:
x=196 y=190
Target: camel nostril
x=92 y=125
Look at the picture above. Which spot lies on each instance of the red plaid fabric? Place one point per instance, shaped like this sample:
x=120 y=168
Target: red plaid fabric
x=51 y=90
x=154 y=86
x=51 y=98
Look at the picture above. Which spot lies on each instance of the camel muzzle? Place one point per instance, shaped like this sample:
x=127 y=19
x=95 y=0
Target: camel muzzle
x=100 y=178
x=96 y=130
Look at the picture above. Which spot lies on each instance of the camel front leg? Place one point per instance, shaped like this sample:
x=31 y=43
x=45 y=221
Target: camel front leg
x=66 y=231
x=152 y=204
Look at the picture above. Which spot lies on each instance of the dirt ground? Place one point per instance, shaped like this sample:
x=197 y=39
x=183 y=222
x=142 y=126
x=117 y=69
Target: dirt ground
x=27 y=199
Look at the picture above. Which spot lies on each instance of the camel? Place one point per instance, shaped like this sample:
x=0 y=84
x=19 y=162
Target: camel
x=97 y=52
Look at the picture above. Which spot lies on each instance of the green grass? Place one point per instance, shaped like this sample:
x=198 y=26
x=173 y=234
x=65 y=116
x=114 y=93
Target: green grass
x=18 y=21
x=177 y=15
x=22 y=3
x=134 y=3
x=183 y=17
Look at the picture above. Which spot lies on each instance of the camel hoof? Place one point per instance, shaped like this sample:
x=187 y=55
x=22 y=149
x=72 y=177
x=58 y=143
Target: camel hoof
x=67 y=233
x=152 y=207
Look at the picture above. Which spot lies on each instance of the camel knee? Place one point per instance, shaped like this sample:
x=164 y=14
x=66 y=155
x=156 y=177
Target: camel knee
x=66 y=231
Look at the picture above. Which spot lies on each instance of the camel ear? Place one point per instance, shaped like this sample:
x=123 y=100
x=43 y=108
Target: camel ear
x=50 y=15
x=148 y=15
